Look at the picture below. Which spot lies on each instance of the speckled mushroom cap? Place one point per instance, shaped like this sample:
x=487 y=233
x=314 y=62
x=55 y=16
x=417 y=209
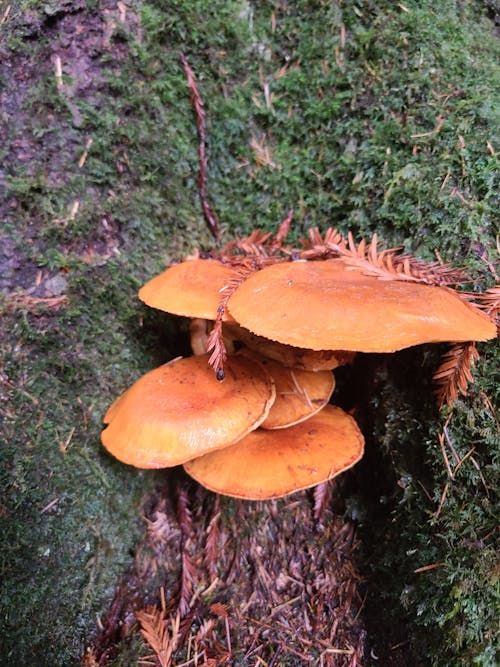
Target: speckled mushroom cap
x=270 y=464
x=324 y=305
x=179 y=411
x=191 y=288
x=299 y=394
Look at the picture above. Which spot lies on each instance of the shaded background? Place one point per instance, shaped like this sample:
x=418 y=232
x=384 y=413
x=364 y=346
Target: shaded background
x=369 y=116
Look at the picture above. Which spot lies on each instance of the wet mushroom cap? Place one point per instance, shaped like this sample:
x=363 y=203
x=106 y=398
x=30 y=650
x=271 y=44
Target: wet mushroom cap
x=179 y=411
x=299 y=394
x=270 y=464
x=324 y=305
x=191 y=288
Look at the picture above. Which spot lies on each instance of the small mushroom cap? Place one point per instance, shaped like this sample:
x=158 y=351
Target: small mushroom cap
x=270 y=464
x=179 y=411
x=299 y=394
x=292 y=357
x=324 y=305
x=191 y=288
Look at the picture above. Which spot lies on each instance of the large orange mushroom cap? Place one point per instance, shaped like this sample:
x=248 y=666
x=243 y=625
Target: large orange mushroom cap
x=270 y=464
x=179 y=411
x=299 y=394
x=191 y=288
x=324 y=305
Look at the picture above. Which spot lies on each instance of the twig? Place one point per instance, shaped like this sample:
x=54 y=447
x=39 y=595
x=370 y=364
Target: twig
x=445 y=180
x=436 y=130
x=49 y=506
x=455 y=192
x=199 y=108
x=58 y=74
x=10 y=385
x=425 y=568
x=63 y=446
x=428 y=495
x=5 y=14
x=450 y=443
x=442 y=499
x=442 y=437
x=476 y=466
x=464 y=458
x=85 y=153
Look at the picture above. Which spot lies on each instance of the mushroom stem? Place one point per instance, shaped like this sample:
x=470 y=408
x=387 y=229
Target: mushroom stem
x=198 y=335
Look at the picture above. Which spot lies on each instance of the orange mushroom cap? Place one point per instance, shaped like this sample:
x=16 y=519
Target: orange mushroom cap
x=191 y=288
x=179 y=411
x=269 y=464
x=324 y=305
x=299 y=394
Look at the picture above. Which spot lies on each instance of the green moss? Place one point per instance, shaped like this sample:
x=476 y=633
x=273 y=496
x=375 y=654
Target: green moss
x=353 y=126
x=428 y=518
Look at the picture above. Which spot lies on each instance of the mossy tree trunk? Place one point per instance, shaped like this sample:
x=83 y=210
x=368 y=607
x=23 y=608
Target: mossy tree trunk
x=373 y=117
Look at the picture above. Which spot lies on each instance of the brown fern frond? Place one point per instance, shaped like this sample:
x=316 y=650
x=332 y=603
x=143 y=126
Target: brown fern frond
x=279 y=238
x=321 y=495
x=90 y=658
x=259 y=244
x=205 y=631
x=254 y=248
x=161 y=634
x=215 y=343
x=189 y=570
x=455 y=372
x=217 y=346
x=319 y=247
x=489 y=301
x=184 y=516
x=188 y=579
x=212 y=541
x=390 y=264
x=332 y=237
x=199 y=108
x=219 y=609
x=254 y=244
x=158 y=528
x=370 y=258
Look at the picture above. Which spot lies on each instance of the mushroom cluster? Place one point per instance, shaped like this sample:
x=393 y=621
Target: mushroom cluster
x=248 y=415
